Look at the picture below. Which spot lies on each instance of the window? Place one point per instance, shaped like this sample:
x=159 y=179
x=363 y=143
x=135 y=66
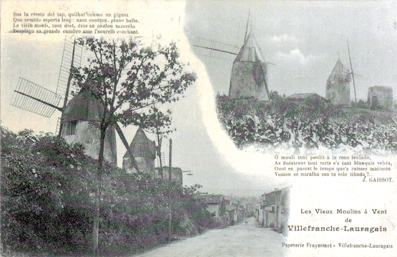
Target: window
x=70 y=128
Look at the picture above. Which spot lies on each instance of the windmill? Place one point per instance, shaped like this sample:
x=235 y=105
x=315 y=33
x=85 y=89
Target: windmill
x=338 y=83
x=249 y=71
x=37 y=99
x=67 y=98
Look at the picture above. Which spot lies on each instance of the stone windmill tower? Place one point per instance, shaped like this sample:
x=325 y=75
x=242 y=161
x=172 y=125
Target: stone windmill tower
x=249 y=72
x=144 y=151
x=338 y=85
x=80 y=124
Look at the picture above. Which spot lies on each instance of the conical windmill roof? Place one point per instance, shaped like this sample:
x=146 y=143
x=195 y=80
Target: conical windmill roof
x=83 y=107
x=142 y=146
x=250 y=51
x=340 y=73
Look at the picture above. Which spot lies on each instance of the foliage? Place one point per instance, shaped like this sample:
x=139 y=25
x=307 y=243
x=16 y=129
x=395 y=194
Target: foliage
x=309 y=123
x=362 y=104
x=45 y=193
x=130 y=79
x=273 y=95
x=47 y=201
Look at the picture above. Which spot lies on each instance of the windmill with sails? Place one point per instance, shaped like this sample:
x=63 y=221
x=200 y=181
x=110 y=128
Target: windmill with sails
x=80 y=111
x=338 y=84
x=249 y=72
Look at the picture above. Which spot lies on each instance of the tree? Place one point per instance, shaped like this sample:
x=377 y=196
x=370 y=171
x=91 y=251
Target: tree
x=45 y=184
x=127 y=79
x=46 y=207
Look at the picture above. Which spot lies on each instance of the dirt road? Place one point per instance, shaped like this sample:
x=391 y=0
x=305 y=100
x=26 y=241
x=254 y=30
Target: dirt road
x=245 y=239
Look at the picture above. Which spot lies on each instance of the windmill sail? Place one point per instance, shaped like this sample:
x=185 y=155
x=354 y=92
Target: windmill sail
x=214 y=49
x=37 y=99
x=34 y=98
x=351 y=68
x=72 y=52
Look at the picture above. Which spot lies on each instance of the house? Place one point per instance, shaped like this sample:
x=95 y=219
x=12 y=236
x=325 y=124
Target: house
x=176 y=174
x=306 y=104
x=248 y=207
x=80 y=124
x=144 y=152
x=230 y=212
x=216 y=206
x=259 y=214
x=338 y=86
x=249 y=72
x=275 y=209
x=380 y=97
x=238 y=214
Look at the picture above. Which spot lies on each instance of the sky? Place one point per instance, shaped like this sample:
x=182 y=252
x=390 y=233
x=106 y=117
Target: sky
x=303 y=40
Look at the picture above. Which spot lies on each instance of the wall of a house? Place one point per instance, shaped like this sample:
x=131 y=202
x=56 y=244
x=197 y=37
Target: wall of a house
x=270 y=217
x=176 y=174
x=145 y=165
x=384 y=97
x=213 y=208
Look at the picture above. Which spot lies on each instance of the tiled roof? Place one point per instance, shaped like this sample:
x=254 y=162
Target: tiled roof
x=213 y=199
x=250 y=51
x=83 y=107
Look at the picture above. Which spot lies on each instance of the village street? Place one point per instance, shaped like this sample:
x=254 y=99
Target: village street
x=245 y=239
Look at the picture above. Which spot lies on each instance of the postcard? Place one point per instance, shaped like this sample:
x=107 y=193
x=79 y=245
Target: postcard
x=198 y=128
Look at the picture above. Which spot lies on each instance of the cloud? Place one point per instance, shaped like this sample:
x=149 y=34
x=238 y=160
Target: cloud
x=284 y=38
x=297 y=55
